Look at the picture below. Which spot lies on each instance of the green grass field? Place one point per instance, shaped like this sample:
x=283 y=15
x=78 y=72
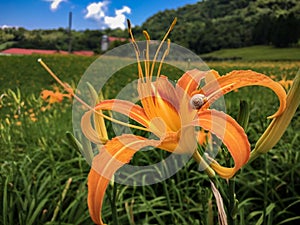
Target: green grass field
x=255 y=53
x=43 y=177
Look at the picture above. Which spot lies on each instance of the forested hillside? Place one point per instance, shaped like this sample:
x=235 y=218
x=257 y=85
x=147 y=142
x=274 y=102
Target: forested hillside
x=56 y=39
x=203 y=27
x=214 y=24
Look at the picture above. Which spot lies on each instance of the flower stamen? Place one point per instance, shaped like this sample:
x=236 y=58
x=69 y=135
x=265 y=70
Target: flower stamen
x=136 y=50
x=163 y=58
x=70 y=90
x=161 y=43
x=147 y=57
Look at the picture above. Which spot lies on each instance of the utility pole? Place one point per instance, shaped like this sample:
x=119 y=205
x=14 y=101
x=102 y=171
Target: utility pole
x=70 y=33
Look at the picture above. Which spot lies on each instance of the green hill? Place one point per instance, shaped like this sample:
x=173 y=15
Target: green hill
x=254 y=53
x=215 y=24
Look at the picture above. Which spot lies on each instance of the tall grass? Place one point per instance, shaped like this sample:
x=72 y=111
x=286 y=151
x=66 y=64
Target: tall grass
x=43 y=178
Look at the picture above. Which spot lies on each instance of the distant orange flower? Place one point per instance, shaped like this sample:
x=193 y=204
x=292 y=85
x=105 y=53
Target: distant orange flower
x=54 y=96
x=32 y=117
x=285 y=83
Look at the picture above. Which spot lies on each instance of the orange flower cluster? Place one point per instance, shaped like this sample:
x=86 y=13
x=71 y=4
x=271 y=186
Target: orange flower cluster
x=54 y=96
x=285 y=83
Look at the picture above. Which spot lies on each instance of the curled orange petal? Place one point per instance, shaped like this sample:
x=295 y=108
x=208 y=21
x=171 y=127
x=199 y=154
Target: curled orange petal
x=89 y=131
x=127 y=108
x=242 y=78
x=211 y=76
x=112 y=156
x=231 y=134
x=190 y=80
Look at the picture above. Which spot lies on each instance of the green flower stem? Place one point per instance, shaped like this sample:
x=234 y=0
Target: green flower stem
x=63 y=195
x=265 y=190
x=114 y=208
x=232 y=202
x=232 y=206
x=244 y=114
x=279 y=124
x=113 y=199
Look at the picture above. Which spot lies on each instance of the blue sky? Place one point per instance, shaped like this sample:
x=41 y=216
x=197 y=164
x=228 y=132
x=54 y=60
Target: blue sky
x=87 y=14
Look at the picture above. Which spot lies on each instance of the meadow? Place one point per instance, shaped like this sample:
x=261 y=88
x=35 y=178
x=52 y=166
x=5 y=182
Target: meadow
x=43 y=176
x=254 y=53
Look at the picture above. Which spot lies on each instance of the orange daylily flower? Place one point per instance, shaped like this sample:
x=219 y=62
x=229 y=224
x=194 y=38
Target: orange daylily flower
x=54 y=96
x=171 y=113
x=285 y=83
x=51 y=96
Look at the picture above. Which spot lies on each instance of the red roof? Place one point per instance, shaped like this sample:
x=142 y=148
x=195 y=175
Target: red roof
x=86 y=53
x=23 y=51
x=111 y=39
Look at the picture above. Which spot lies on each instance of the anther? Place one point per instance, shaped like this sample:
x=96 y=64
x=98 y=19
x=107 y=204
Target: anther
x=146 y=34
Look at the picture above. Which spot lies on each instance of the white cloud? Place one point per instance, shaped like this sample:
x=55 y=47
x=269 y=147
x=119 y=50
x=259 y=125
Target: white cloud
x=119 y=20
x=55 y=3
x=98 y=12
x=8 y=26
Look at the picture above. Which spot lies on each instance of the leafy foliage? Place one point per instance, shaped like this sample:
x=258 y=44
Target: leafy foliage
x=215 y=24
x=57 y=39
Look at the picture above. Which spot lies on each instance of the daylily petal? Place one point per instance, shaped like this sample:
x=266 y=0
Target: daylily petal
x=190 y=81
x=52 y=97
x=241 y=78
x=181 y=142
x=127 y=108
x=231 y=134
x=159 y=99
x=211 y=76
x=46 y=93
x=185 y=87
x=277 y=127
x=166 y=91
x=166 y=102
x=146 y=96
x=112 y=156
x=95 y=207
x=89 y=131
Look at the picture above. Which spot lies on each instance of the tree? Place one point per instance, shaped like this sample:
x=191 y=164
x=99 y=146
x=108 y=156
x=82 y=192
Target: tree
x=285 y=31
